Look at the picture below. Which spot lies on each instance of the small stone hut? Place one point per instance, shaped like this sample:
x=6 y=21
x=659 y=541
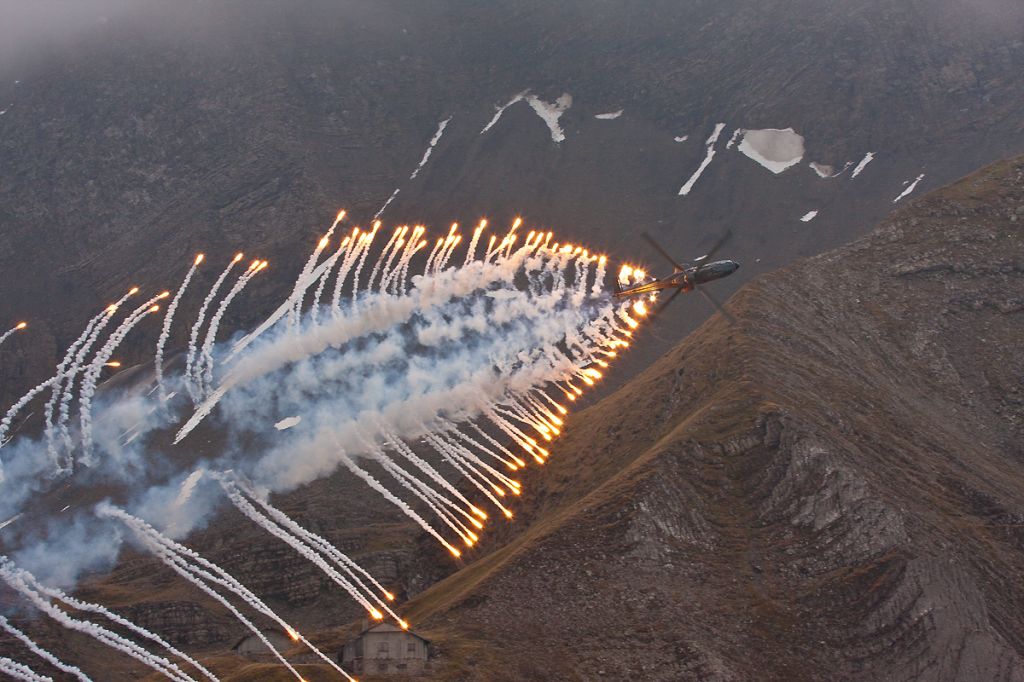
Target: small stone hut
x=386 y=649
x=253 y=647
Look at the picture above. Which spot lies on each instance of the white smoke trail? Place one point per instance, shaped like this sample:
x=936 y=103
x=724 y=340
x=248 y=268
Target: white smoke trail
x=5 y=423
x=16 y=328
x=67 y=393
x=41 y=652
x=362 y=261
x=203 y=372
x=89 y=607
x=428 y=496
x=62 y=370
x=20 y=671
x=253 y=514
x=395 y=242
x=199 y=570
x=92 y=372
x=357 y=572
x=322 y=282
x=193 y=339
x=382 y=313
x=390 y=497
x=165 y=331
x=298 y=291
x=278 y=314
x=192 y=575
x=16 y=579
x=359 y=242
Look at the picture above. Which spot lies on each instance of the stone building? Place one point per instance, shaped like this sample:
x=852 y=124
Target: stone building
x=253 y=647
x=386 y=649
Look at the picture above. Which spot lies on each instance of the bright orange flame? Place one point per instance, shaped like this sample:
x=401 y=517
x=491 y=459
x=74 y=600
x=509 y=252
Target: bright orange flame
x=133 y=291
x=164 y=294
x=154 y=309
x=476 y=523
x=293 y=634
x=199 y=258
x=389 y=596
x=238 y=256
x=324 y=241
x=113 y=363
x=21 y=325
x=508 y=514
x=478 y=512
x=376 y=614
x=341 y=215
x=517 y=222
x=111 y=308
x=404 y=624
x=454 y=551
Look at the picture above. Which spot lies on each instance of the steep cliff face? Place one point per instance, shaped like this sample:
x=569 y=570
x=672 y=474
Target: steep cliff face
x=152 y=134
x=830 y=489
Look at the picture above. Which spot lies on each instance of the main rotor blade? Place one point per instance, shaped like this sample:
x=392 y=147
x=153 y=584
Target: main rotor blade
x=663 y=252
x=719 y=244
x=718 y=306
x=664 y=305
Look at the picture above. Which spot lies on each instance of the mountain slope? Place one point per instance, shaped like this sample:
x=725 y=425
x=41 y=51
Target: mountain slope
x=154 y=132
x=834 y=488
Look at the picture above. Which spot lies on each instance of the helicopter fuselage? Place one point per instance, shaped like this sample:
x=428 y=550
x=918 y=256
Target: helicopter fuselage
x=684 y=279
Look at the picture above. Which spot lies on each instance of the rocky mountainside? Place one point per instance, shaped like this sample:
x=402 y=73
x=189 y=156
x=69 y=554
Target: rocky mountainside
x=831 y=489
x=145 y=133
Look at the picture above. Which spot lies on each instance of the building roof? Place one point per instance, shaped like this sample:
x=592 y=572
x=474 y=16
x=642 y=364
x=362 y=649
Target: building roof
x=390 y=627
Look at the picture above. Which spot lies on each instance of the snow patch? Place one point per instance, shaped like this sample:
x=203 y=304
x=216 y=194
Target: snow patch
x=610 y=115
x=551 y=112
x=735 y=135
x=823 y=170
x=682 y=138
x=773 y=148
x=433 y=141
x=500 y=110
x=863 y=162
x=809 y=216
x=911 y=188
x=710 y=144
x=287 y=423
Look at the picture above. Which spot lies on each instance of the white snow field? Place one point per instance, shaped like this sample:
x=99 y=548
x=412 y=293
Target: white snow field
x=863 y=162
x=500 y=110
x=710 y=144
x=773 y=148
x=551 y=112
x=910 y=188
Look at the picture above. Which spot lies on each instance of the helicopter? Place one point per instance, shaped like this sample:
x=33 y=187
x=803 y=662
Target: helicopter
x=686 y=279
